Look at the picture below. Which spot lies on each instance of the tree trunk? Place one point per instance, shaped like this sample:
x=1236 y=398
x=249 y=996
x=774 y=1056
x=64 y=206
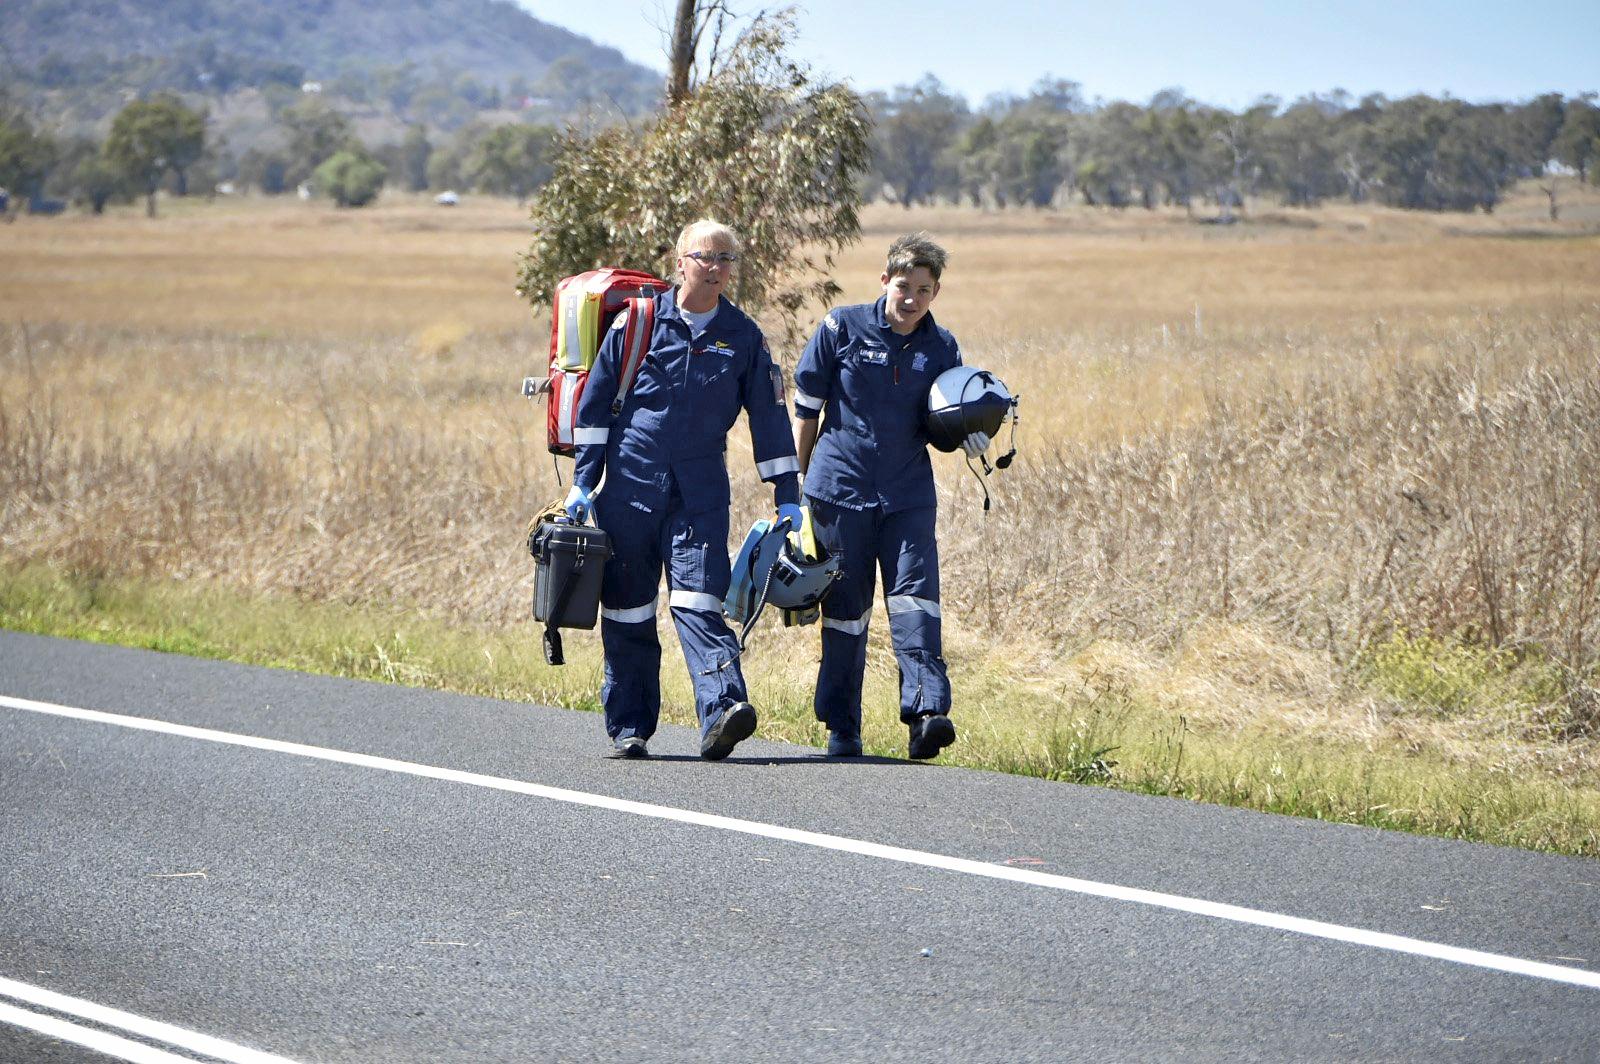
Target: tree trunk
x=682 y=57
x=150 y=200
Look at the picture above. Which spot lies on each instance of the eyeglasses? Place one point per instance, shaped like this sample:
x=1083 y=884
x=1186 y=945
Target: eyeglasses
x=712 y=258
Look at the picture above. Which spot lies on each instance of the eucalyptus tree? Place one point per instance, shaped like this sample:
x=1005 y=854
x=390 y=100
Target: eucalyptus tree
x=1577 y=143
x=151 y=137
x=316 y=132
x=1238 y=142
x=512 y=160
x=760 y=144
x=915 y=125
x=351 y=177
x=26 y=155
x=1301 y=152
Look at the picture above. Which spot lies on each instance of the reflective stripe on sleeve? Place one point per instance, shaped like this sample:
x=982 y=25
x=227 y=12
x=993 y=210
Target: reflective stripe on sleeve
x=855 y=627
x=694 y=600
x=912 y=604
x=777 y=466
x=647 y=612
x=810 y=402
x=586 y=437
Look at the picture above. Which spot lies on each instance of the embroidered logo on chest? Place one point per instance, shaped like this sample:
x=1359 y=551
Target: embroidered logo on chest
x=721 y=347
x=919 y=362
x=874 y=356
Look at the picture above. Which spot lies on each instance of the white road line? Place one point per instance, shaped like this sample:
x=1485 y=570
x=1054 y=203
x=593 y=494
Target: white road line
x=132 y=1023
x=154 y=1030
x=109 y=1044
x=1199 y=907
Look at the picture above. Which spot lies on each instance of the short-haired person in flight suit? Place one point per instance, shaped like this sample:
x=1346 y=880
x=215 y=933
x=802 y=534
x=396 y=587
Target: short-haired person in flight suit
x=665 y=501
x=866 y=374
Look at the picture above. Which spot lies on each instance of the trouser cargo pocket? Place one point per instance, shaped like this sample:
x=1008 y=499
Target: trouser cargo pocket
x=924 y=684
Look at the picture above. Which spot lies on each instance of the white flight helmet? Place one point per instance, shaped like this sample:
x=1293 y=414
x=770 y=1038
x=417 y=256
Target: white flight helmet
x=962 y=401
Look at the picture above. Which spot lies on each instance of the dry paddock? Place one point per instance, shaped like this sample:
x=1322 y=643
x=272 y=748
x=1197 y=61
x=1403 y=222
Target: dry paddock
x=1248 y=454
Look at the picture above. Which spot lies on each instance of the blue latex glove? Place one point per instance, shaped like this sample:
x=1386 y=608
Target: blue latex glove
x=795 y=515
x=579 y=504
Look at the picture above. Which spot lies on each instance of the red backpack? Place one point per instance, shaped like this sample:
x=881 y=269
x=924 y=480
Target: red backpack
x=585 y=306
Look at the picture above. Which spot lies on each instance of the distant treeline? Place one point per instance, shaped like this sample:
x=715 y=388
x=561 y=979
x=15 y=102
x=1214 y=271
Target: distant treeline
x=162 y=142
x=1049 y=146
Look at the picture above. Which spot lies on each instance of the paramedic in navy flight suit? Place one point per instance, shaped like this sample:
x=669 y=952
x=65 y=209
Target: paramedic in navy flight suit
x=867 y=372
x=666 y=492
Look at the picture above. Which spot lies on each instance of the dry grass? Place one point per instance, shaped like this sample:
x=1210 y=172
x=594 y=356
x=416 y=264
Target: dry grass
x=1101 y=311
x=308 y=270
x=1377 y=422
x=280 y=269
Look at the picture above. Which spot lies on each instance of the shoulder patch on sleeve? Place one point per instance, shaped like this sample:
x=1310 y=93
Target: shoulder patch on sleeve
x=620 y=320
x=777 y=385
x=831 y=322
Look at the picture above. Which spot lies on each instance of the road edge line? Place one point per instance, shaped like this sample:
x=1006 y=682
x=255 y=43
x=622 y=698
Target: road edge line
x=1177 y=902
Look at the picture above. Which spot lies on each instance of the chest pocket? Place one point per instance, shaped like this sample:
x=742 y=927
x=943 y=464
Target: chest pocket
x=714 y=375
x=866 y=372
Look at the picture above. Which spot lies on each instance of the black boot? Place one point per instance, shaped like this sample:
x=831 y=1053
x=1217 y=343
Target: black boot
x=737 y=723
x=930 y=733
x=844 y=744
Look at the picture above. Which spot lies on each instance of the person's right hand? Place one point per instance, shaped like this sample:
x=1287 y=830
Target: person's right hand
x=579 y=504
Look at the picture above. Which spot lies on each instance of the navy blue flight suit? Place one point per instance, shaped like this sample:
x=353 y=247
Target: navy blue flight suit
x=870 y=487
x=666 y=499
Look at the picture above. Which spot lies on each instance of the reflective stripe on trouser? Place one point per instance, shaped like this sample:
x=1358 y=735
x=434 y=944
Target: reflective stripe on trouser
x=693 y=548
x=900 y=545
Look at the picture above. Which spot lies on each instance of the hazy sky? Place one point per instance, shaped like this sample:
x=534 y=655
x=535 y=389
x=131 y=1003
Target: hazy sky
x=1225 y=52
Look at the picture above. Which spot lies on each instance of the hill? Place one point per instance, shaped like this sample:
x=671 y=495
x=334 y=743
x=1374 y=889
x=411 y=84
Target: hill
x=69 y=54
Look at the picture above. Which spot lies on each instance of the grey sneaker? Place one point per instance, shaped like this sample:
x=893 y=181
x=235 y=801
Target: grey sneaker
x=930 y=733
x=632 y=748
x=737 y=723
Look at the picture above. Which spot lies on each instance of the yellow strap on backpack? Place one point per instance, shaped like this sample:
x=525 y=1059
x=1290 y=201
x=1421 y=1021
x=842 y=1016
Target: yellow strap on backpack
x=578 y=311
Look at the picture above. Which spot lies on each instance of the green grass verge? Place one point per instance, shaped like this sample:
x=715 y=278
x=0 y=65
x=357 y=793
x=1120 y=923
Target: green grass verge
x=1106 y=738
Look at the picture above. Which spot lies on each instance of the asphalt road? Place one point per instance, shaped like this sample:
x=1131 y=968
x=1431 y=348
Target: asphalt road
x=324 y=911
